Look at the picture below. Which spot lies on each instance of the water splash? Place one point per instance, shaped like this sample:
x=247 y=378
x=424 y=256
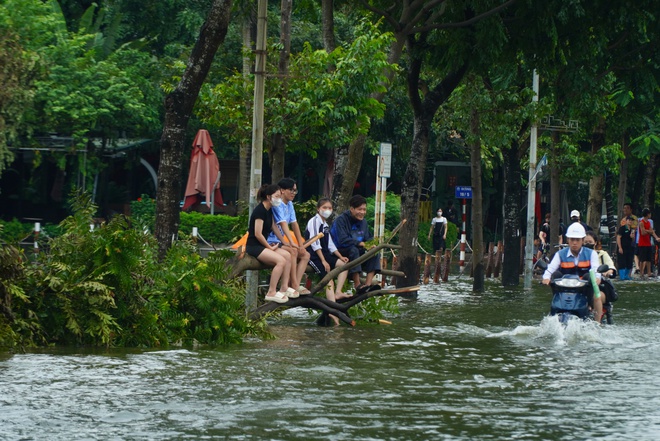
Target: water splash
x=575 y=331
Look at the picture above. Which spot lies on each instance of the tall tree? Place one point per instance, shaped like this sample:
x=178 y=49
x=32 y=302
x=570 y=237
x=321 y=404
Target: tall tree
x=512 y=209
x=478 y=270
x=425 y=104
x=404 y=19
x=421 y=49
x=178 y=109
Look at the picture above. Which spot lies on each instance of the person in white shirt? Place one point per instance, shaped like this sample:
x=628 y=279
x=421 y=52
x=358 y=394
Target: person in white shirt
x=324 y=255
x=439 y=231
x=578 y=260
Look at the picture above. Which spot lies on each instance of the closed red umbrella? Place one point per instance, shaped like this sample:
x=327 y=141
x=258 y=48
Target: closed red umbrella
x=204 y=179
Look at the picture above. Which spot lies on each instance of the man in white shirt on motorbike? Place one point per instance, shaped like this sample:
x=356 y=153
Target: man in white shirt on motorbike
x=578 y=260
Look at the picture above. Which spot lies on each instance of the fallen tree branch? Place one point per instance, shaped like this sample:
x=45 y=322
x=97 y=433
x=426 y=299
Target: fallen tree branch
x=351 y=264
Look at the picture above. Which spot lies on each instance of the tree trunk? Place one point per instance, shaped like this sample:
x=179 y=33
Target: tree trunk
x=328 y=25
x=595 y=201
x=596 y=183
x=277 y=145
x=612 y=225
x=555 y=210
x=555 y=200
x=650 y=173
x=178 y=109
x=511 y=223
x=410 y=203
x=623 y=177
x=423 y=111
x=348 y=161
x=637 y=190
x=477 y=206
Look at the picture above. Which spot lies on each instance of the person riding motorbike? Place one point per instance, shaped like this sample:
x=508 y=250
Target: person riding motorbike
x=577 y=260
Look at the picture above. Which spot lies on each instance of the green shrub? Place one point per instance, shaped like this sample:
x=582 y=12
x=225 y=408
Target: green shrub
x=19 y=325
x=197 y=301
x=107 y=288
x=392 y=211
x=216 y=229
x=143 y=212
x=14 y=231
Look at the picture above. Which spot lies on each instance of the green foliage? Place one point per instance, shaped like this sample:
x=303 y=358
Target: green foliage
x=392 y=211
x=325 y=101
x=305 y=211
x=143 y=212
x=106 y=287
x=19 y=326
x=375 y=308
x=24 y=26
x=218 y=228
x=84 y=94
x=452 y=234
x=197 y=303
x=14 y=231
x=649 y=142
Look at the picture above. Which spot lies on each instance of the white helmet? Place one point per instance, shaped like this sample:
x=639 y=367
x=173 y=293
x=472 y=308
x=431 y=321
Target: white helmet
x=576 y=230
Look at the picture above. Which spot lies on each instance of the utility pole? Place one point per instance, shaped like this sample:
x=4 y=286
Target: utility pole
x=531 y=193
x=252 y=277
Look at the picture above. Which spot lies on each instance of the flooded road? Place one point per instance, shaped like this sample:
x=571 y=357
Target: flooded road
x=453 y=366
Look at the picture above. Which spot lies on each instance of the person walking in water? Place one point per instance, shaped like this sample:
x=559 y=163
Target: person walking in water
x=439 y=231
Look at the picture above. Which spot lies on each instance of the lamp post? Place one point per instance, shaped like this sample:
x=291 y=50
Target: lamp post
x=531 y=193
x=252 y=277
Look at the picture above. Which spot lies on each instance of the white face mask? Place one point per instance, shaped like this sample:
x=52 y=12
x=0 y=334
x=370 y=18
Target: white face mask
x=326 y=213
x=439 y=213
x=276 y=202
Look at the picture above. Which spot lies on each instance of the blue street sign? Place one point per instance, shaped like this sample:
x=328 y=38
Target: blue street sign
x=463 y=192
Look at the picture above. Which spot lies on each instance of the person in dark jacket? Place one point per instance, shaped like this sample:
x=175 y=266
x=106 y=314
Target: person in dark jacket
x=349 y=233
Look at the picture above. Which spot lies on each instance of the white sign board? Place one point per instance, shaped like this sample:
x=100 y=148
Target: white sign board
x=386 y=159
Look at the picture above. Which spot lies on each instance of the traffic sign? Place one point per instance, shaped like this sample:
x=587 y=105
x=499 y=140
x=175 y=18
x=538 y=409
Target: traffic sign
x=386 y=158
x=463 y=192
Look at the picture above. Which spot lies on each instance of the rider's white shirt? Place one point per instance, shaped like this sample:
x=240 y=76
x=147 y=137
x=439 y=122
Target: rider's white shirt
x=556 y=262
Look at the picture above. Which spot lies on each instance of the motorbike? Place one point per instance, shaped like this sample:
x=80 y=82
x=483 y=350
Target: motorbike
x=571 y=294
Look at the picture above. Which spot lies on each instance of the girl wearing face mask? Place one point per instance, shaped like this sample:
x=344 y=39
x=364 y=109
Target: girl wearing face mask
x=591 y=241
x=323 y=253
x=261 y=224
x=439 y=231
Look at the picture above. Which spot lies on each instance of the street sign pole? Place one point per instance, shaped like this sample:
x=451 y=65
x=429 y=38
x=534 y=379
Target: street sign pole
x=463 y=193
x=531 y=194
x=252 y=277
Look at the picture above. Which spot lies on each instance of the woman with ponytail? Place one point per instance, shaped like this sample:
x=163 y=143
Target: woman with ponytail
x=261 y=224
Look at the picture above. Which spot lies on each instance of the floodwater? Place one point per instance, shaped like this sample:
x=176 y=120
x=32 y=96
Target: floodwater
x=452 y=366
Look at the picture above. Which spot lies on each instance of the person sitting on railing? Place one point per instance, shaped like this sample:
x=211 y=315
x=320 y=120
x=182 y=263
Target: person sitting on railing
x=324 y=254
x=291 y=238
x=350 y=232
x=261 y=225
